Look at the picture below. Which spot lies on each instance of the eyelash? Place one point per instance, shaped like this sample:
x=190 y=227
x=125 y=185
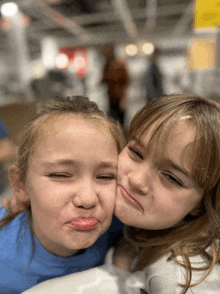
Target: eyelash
x=135 y=152
x=170 y=177
x=58 y=175
x=173 y=179
x=107 y=177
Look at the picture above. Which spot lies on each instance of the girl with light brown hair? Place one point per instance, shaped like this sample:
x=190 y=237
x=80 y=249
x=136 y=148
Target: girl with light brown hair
x=168 y=195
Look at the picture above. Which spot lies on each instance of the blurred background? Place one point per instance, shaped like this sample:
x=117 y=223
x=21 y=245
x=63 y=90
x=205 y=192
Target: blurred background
x=55 y=47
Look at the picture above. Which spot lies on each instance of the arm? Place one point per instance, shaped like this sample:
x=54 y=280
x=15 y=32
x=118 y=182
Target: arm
x=14 y=205
x=7 y=146
x=7 y=150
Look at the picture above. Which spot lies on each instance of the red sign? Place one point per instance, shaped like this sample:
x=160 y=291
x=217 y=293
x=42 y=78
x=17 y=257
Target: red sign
x=78 y=60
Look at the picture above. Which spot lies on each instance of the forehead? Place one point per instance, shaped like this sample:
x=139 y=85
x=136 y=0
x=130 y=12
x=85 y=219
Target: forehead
x=54 y=123
x=80 y=146
x=162 y=138
x=64 y=129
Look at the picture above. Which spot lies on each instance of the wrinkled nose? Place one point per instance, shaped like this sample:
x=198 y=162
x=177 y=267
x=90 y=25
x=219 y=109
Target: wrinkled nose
x=139 y=181
x=86 y=196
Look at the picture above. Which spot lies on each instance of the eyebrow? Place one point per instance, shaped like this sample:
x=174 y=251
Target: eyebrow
x=178 y=168
x=167 y=161
x=59 y=162
x=69 y=162
x=138 y=141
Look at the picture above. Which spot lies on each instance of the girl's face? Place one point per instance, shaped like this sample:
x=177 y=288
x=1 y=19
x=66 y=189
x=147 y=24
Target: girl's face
x=71 y=183
x=156 y=190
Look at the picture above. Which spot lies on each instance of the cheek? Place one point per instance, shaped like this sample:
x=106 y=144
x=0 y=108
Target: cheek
x=45 y=216
x=124 y=163
x=41 y=203
x=44 y=194
x=186 y=206
x=109 y=199
x=196 y=205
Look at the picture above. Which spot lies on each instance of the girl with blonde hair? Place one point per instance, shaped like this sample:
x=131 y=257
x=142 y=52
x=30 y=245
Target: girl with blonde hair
x=66 y=176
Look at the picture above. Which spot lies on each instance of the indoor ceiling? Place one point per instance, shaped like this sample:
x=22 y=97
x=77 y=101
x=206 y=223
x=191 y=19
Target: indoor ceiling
x=96 y=22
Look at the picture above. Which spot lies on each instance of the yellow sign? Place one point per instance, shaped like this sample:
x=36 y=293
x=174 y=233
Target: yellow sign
x=202 y=54
x=207 y=13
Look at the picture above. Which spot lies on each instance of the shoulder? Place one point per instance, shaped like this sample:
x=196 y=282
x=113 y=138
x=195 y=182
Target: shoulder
x=168 y=275
x=212 y=278
x=13 y=228
x=168 y=270
x=15 y=239
x=2 y=213
x=211 y=284
x=21 y=218
x=163 y=277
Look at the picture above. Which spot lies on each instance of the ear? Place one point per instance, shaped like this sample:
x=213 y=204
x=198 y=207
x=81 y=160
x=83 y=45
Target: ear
x=17 y=185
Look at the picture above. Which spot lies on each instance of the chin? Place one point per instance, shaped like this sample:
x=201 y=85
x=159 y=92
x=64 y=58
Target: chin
x=124 y=218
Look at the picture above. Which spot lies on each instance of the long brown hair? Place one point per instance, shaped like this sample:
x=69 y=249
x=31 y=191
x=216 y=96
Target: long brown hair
x=200 y=230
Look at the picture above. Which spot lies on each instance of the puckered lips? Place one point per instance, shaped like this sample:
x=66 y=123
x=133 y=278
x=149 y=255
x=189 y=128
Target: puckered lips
x=82 y=223
x=127 y=196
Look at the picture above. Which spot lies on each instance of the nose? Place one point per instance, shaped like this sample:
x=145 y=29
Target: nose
x=86 y=196
x=139 y=180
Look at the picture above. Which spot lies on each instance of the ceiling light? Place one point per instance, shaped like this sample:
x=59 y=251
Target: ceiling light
x=62 y=61
x=148 y=48
x=9 y=9
x=131 y=49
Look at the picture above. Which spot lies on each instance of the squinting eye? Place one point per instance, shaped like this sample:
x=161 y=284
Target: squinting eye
x=107 y=177
x=173 y=180
x=58 y=175
x=136 y=152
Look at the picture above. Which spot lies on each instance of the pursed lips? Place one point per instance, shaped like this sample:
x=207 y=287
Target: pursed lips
x=84 y=223
x=78 y=218
x=130 y=199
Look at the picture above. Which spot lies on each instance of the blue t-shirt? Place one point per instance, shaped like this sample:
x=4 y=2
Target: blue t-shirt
x=3 y=131
x=22 y=266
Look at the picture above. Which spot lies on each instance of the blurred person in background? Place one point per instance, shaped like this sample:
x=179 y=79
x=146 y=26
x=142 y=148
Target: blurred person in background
x=154 y=77
x=117 y=80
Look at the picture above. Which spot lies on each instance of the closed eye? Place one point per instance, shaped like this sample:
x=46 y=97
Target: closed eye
x=171 y=178
x=136 y=152
x=58 y=175
x=107 y=177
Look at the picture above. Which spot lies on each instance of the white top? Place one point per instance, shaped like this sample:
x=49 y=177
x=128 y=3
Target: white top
x=160 y=278
x=163 y=277
x=106 y=279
